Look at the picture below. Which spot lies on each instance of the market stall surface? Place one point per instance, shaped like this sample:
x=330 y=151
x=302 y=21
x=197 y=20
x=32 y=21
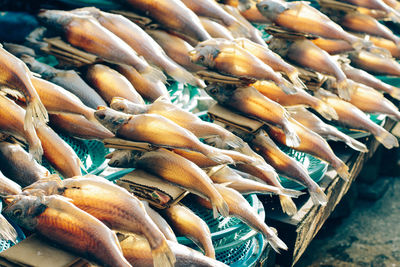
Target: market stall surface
x=370 y=236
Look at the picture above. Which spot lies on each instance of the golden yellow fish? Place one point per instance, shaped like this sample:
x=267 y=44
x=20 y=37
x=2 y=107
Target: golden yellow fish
x=68 y=226
x=186 y=223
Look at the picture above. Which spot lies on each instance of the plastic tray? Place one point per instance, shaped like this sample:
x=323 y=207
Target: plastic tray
x=102 y=4
x=392 y=80
x=234 y=241
x=315 y=167
x=253 y=254
x=183 y=96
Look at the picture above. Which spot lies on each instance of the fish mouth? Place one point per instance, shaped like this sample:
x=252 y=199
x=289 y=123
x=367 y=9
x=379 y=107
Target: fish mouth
x=10 y=199
x=116 y=99
x=193 y=54
x=118 y=103
x=101 y=108
x=100 y=113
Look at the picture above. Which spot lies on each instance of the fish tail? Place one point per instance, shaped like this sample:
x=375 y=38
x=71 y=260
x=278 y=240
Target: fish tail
x=183 y=76
x=343 y=171
x=36 y=114
x=387 y=139
x=395 y=93
x=153 y=75
x=326 y=111
x=219 y=206
x=276 y=243
x=294 y=78
x=288 y=205
x=219 y=157
x=292 y=140
x=360 y=44
x=291 y=192
x=233 y=141
x=36 y=150
x=343 y=89
x=287 y=87
x=356 y=145
x=7 y=231
x=163 y=256
x=318 y=196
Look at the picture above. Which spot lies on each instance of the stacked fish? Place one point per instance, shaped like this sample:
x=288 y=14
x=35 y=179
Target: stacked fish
x=207 y=45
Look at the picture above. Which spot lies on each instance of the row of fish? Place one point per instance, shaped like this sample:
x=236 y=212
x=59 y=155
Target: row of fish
x=189 y=41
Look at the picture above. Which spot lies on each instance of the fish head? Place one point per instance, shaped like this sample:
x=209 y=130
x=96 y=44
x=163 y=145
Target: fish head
x=24 y=209
x=204 y=54
x=271 y=8
x=122 y=158
x=126 y=106
x=221 y=93
x=87 y=11
x=55 y=18
x=111 y=119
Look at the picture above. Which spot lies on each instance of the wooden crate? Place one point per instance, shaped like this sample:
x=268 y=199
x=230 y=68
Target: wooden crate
x=299 y=230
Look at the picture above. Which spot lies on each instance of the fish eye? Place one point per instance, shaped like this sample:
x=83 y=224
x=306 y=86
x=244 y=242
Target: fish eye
x=102 y=116
x=214 y=91
x=17 y=212
x=201 y=58
x=265 y=7
x=120 y=109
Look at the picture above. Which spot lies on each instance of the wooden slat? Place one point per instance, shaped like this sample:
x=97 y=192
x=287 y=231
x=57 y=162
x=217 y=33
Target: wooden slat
x=298 y=231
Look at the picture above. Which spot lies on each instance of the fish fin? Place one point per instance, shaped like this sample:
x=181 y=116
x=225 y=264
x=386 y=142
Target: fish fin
x=356 y=145
x=326 y=111
x=36 y=151
x=387 y=139
x=287 y=87
x=361 y=44
x=266 y=168
x=219 y=157
x=276 y=243
x=219 y=206
x=238 y=27
x=163 y=256
x=343 y=90
x=395 y=93
x=292 y=140
x=200 y=83
x=287 y=205
x=343 y=171
x=13 y=93
x=291 y=192
x=162 y=98
x=318 y=196
x=34 y=192
x=294 y=78
x=36 y=115
x=7 y=231
x=394 y=16
x=82 y=166
x=153 y=75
